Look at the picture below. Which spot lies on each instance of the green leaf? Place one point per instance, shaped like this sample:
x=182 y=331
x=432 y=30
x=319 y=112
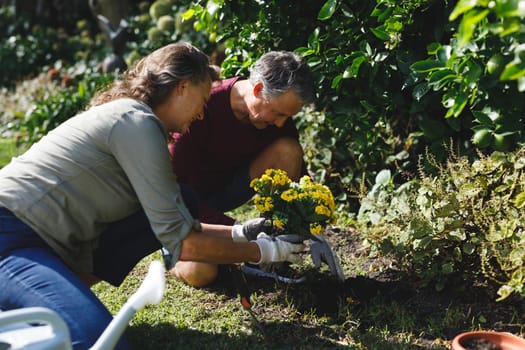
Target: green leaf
x=353 y=70
x=468 y=25
x=432 y=48
x=382 y=14
x=517 y=257
x=447 y=268
x=519 y=201
x=420 y=90
x=462 y=7
x=327 y=10
x=513 y=71
x=482 y=118
x=441 y=77
x=188 y=14
x=510 y=8
x=426 y=65
x=380 y=33
x=469 y=248
x=460 y=102
x=336 y=81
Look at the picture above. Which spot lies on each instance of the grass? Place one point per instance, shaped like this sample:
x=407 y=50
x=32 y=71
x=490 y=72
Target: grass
x=213 y=318
x=8 y=150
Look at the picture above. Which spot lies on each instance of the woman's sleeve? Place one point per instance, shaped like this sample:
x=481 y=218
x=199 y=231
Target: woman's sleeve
x=139 y=144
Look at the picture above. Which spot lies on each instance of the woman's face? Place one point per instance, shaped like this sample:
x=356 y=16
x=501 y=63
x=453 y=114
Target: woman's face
x=184 y=105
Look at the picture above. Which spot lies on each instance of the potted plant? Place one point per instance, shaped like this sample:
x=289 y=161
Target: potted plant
x=487 y=340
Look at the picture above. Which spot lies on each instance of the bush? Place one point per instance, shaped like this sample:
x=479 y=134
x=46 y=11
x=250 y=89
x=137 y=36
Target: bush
x=463 y=225
x=479 y=74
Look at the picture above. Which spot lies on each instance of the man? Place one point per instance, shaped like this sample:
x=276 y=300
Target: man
x=247 y=128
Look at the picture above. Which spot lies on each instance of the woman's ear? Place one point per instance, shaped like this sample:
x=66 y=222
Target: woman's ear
x=181 y=86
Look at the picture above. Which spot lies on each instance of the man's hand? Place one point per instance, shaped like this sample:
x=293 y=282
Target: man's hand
x=321 y=252
x=250 y=229
x=274 y=249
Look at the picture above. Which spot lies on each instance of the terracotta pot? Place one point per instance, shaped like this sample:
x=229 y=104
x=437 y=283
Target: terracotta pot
x=505 y=341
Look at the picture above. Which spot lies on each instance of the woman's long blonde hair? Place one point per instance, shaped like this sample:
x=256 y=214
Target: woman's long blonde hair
x=154 y=76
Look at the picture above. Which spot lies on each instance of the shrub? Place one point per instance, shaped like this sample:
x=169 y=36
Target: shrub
x=466 y=223
x=479 y=74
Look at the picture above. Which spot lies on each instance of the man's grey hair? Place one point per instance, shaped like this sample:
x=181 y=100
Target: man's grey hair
x=280 y=71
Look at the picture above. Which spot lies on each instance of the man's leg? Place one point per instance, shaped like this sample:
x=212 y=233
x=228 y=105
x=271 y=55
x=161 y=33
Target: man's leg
x=122 y=246
x=285 y=154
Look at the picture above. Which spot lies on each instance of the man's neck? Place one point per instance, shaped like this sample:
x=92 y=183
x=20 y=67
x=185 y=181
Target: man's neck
x=239 y=94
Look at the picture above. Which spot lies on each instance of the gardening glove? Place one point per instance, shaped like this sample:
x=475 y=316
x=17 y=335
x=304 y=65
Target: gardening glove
x=321 y=252
x=250 y=229
x=274 y=249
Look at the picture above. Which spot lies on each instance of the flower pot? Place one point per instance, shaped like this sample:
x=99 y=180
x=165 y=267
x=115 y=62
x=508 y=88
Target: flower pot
x=481 y=340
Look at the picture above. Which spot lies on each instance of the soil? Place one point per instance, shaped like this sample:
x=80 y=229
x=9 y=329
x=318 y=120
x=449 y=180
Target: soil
x=460 y=308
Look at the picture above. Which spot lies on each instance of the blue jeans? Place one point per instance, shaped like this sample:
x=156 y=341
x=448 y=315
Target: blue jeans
x=31 y=274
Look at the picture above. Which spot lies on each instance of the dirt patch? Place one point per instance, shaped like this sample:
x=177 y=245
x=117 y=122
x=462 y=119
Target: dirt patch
x=376 y=297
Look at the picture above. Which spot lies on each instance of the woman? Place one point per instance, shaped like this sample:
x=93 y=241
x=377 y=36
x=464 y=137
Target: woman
x=97 y=194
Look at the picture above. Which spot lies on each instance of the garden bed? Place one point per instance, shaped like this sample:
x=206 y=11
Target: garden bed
x=372 y=309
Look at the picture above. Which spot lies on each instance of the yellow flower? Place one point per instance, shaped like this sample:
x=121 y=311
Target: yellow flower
x=316 y=229
x=289 y=195
x=278 y=223
x=259 y=204
x=293 y=206
x=322 y=210
x=263 y=204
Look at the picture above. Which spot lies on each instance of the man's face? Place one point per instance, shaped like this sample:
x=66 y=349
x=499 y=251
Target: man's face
x=273 y=111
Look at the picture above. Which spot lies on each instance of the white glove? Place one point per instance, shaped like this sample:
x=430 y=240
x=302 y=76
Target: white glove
x=250 y=229
x=278 y=250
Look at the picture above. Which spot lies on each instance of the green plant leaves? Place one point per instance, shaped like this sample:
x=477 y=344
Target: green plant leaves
x=440 y=224
x=327 y=10
x=428 y=65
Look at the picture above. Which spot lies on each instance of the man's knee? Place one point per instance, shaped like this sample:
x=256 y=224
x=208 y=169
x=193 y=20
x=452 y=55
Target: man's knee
x=287 y=147
x=284 y=153
x=195 y=274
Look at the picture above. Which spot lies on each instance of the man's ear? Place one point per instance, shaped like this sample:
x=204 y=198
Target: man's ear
x=257 y=89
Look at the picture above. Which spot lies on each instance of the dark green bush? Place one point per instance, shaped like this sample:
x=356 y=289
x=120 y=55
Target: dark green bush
x=479 y=74
x=382 y=105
